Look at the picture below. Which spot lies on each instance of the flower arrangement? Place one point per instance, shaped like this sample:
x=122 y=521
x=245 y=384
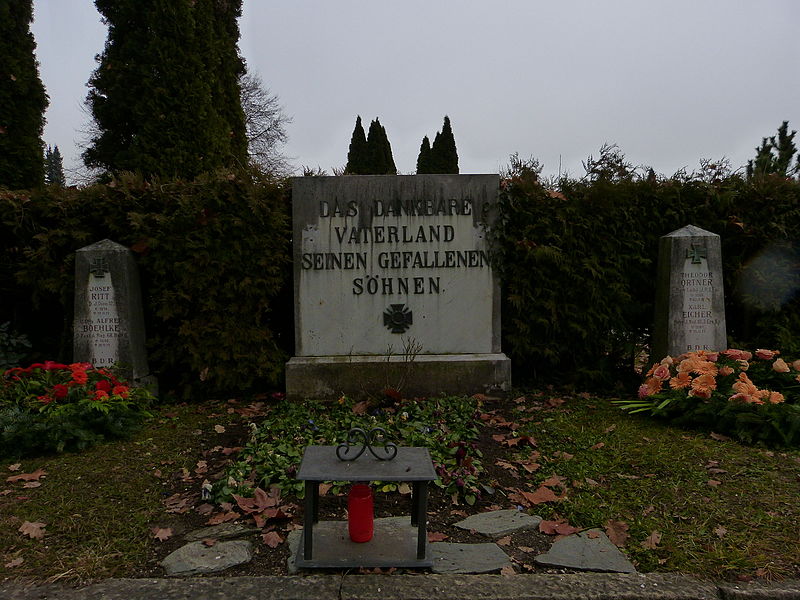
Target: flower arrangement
x=52 y=406
x=753 y=396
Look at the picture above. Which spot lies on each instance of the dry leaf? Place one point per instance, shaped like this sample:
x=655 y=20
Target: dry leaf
x=435 y=536
x=404 y=489
x=593 y=534
x=504 y=541
x=162 y=533
x=219 y=428
x=526 y=549
x=272 y=539
x=542 y=495
x=563 y=455
x=719 y=437
x=15 y=563
x=208 y=542
x=324 y=488
x=720 y=531
x=33 y=530
x=713 y=482
x=508 y=570
x=591 y=482
x=648 y=510
x=223 y=518
x=652 y=541
x=617 y=532
x=609 y=429
x=555 y=480
x=360 y=408
x=27 y=476
x=32 y=484
x=560 y=527
x=15 y=467
x=204 y=509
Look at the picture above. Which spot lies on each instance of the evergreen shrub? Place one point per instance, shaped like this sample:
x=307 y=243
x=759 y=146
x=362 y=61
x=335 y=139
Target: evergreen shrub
x=214 y=261
x=578 y=261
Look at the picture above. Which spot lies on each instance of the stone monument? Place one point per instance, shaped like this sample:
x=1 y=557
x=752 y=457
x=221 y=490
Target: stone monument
x=690 y=303
x=393 y=286
x=108 y=329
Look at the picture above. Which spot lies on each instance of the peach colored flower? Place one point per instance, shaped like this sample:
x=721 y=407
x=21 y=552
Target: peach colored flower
x=651 y=385
x=725 y=370
x=697 y=364
x=743 y=365
x=651 y=370
x=780 y=366
x=667 y=361
x=682 y=380
x=796 y=365
x=662 y=372
x=737 y=354
x=704 y=382
x=700 y=393
x=745 y=386
x=766 y=354
x=776 y=398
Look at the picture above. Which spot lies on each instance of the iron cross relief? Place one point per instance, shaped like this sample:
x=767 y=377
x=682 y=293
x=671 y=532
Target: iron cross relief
x=696 y=254
x=99 y=267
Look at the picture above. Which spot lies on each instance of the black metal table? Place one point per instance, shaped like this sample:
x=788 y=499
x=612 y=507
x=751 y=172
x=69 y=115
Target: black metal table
x=392 y=547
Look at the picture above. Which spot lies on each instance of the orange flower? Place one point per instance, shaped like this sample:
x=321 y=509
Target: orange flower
x=651 y=385
x=743 y=365
x=682 y=380
x=738 y=354
x=776 y=398
x=780 y=366
x=745 y=386
x=704 y=383
x=724 y=371
x=766 y=354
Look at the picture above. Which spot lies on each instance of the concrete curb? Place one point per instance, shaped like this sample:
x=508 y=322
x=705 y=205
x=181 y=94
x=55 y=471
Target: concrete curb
x=584 y=586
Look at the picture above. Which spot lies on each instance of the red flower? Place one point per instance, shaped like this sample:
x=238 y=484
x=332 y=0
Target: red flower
x=49 y=365
x=100 y=394
x=60 y=391
x=80 y=377
x=104 y=385
x=120 y=390
x=45 y=399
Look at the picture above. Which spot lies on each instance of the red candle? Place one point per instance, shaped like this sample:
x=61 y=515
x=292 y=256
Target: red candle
x=359 y=513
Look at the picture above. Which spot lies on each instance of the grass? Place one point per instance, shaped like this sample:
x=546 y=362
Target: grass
x=99 y=505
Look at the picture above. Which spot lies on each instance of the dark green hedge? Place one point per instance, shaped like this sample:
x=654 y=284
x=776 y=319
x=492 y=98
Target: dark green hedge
x=214 y=260
x=579 y=258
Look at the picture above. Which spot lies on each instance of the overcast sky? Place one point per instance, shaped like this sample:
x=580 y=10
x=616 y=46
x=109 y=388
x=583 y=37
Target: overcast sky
x=670 y=82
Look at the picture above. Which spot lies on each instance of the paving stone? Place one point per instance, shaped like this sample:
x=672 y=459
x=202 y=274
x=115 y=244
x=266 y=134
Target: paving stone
x=467 y=558
x=498 y=523
x=195 y=558
x=224 y=531
x=584 y=553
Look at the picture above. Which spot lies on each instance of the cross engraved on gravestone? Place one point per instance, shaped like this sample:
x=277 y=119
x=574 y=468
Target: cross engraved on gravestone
x=99 y=267
x=397 y=318
x=697 y=253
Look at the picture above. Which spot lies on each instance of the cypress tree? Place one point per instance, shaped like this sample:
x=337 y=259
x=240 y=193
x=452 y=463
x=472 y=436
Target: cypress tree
x=357 y=155
x=54 y=167
x=774 y=156
x=22 y=99
x=444 y=157
x=424 y=158
x=165 y=96
x=379 y=151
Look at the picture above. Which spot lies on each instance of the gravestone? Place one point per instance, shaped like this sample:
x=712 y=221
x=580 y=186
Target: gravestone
x=690 y=303
x=108 y=329
x=393 y=286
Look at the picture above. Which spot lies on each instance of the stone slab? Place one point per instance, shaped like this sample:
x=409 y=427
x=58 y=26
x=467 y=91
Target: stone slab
x=498 y=523
x=782 y=590
x=196 y=559
x=584 y=553
x=690 y=300
x=583 y=586
x=223 y=531
x=425 y=375
x=468 y=558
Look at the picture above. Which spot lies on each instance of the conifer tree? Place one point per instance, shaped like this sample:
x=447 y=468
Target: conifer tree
x=444 y=157
x=424 y=158
x=357 y=155
x=54 y=167
x=774 y=155
x=165 y=96
x=22 y=99
x=379 y=151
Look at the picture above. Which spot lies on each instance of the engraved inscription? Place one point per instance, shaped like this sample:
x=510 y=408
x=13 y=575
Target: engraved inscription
x=102 y=326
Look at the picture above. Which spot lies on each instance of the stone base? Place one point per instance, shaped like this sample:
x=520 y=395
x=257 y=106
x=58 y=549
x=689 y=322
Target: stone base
x=422 y=375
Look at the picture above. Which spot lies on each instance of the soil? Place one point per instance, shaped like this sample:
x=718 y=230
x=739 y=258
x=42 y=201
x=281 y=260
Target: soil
x=194 y=513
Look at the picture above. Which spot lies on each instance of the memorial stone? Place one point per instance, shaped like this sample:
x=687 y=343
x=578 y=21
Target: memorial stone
x=108 y=328
x=690 y=303
x=393 y=286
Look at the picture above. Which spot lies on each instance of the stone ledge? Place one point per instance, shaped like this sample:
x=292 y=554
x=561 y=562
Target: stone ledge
x=424 y=375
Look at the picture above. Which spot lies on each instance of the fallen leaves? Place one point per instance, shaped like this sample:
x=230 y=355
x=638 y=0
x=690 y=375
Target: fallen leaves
x=560 y=527
x=162 y=534
x=223 y=517
x=35 y=531
x=219 y=428
x=179 y=503
x=720 y=531
x=14 y=563
x=273 y=539
x=35 y=476
x=652 y=541
x=435 y=536
x=617 y=532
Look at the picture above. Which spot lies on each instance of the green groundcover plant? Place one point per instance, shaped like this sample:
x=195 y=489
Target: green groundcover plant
x=446 y=426
x=751 y=396
x=53 y=407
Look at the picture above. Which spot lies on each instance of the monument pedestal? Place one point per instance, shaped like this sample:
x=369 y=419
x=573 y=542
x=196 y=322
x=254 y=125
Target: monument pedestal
x=422 y=375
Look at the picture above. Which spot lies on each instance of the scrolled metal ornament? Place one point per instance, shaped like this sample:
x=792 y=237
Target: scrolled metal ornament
x=347 y=450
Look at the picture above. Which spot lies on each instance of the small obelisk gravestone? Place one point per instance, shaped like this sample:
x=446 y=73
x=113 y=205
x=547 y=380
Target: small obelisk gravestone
x=108 y=329
x=690 y=303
